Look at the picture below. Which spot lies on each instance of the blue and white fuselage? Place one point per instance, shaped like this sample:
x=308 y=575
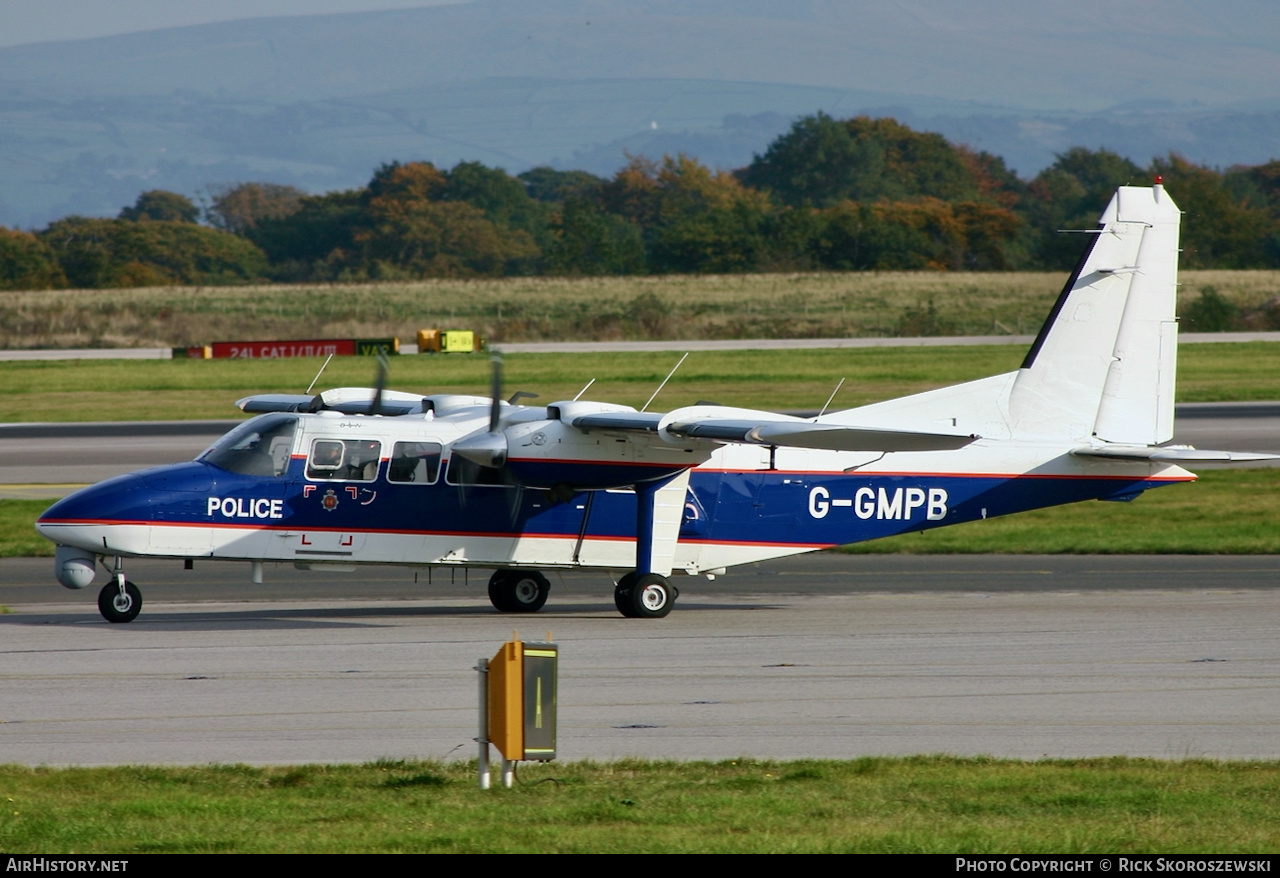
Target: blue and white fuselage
x=738 y=507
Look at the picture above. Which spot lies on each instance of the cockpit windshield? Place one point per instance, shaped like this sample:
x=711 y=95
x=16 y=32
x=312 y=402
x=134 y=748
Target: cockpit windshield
x=258 y=447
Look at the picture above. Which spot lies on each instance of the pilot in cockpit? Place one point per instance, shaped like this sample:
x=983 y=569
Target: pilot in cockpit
x=362 y=460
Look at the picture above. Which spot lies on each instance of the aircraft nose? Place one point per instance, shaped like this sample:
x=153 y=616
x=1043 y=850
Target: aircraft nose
x=78 y=518
x=81 y=518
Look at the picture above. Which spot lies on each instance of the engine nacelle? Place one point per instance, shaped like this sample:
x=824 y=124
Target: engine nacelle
x=75 y=568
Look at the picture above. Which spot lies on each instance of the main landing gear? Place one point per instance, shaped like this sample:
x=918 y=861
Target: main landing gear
x=638 y=594
x=518 y=591
x=644 y=596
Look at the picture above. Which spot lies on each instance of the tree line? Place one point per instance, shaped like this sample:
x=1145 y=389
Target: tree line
x=849 y=195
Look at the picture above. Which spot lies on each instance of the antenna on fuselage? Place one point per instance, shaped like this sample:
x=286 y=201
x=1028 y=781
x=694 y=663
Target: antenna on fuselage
x=318 y=374
x=829 y=398
x=584 y=390
x=664 y=382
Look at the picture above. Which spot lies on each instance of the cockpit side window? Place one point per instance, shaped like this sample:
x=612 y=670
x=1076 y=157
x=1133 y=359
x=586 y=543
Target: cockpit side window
x=417 y=462
x=350 y=460
x=258 y=447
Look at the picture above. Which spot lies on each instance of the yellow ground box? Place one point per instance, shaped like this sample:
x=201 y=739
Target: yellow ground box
x=506 y=700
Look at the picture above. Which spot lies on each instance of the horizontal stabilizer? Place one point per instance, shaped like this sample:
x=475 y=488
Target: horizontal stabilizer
x=1174 y=454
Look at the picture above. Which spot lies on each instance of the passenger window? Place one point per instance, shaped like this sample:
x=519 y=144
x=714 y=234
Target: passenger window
x=417 y=462
x=354 y=460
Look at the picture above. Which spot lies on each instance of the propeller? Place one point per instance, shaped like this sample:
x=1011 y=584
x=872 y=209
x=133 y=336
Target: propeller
x=488 y=449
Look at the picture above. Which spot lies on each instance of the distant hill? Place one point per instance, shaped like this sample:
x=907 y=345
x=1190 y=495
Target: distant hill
x=319 y=101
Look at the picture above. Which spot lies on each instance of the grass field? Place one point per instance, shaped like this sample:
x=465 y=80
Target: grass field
x=123 y=390
x=913 y=805
x=533 y=309
x=18 y=537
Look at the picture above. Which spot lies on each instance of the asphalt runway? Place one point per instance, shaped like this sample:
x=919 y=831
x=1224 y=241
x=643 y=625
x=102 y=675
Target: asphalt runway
x=818 y=656
x=50 y=460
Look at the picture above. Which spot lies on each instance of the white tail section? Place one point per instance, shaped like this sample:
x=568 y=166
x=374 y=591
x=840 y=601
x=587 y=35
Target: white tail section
x=1104 y=362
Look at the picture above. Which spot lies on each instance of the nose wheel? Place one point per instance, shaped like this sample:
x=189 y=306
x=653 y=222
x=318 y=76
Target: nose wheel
x=119 y=601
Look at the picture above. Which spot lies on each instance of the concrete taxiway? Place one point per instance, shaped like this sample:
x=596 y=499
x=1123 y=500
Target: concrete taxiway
x=819 y=656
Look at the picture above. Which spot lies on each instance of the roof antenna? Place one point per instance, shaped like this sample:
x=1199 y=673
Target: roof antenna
x=664 y=382
x=318 y=374
x=584 y=390
x=829 y=398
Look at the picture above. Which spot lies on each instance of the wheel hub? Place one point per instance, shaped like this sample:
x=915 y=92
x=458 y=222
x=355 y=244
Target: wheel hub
x=654 y=596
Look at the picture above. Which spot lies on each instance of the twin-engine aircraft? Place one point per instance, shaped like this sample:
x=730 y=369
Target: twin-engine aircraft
x=362 y=476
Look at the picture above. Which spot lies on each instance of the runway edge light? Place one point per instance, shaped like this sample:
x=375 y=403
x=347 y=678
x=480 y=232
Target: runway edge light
x=518 y=706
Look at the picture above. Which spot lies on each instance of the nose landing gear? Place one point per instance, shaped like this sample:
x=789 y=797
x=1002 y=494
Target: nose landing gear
x=119 y=600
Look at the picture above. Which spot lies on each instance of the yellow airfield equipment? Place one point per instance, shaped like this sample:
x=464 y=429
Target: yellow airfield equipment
x=518 y=706
x=448 y=341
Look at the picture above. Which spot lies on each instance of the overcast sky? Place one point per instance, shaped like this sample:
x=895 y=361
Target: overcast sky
x=39 y=21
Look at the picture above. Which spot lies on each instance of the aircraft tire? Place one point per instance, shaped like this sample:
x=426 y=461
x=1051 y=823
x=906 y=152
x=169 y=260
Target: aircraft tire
x=650 y=597
x=119 y=608
x=622 y=594
x=518 y=591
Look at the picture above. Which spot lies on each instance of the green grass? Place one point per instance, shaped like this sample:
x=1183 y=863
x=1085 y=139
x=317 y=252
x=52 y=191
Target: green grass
x=920 y=804
x=1226 y=512
x=124 y=390
x=530 y=309
x=62 y=390
x=18 y=537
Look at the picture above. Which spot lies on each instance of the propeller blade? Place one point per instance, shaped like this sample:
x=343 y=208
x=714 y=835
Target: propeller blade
x=379 y=384
x=486 y=449
x=495 y=409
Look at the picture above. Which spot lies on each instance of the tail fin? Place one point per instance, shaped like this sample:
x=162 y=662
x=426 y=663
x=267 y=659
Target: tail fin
x=1104 y=362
